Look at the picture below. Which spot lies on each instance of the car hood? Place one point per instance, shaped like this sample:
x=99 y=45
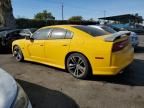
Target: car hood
x=8 y=89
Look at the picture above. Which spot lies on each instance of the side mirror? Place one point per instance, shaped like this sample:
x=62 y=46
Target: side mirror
x=26 y=33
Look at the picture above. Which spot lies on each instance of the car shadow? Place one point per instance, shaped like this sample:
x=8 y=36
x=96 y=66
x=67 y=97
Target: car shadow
x=139 y=49
x=42 y=97
x=133 y=76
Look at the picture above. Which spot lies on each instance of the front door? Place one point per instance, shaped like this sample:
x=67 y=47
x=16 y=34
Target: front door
x=36 y=46
x=35 y=49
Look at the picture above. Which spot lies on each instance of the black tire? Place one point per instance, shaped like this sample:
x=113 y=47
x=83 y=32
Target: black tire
x=17 y=53
x=78 y=66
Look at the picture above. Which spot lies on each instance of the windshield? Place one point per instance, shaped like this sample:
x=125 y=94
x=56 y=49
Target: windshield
x=90 y=30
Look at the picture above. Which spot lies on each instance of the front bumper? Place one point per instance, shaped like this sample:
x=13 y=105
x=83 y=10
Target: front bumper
x=21 y=100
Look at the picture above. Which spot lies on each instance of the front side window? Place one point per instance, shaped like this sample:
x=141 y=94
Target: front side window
x=41 y=34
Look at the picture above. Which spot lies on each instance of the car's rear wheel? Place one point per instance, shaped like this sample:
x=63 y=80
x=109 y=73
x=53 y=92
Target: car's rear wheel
x=78 y=65
x=17 y=53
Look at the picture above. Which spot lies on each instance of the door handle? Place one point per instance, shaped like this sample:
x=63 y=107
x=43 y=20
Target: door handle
x=41 y=45
x=64 y=45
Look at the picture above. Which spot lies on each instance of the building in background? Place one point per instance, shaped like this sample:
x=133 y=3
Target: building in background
x=128 y=21
x=124 y=19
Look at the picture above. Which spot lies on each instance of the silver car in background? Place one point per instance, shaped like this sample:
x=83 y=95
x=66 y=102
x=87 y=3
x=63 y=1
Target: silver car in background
x=134 y=39
x=133 y=36
x=11 y=93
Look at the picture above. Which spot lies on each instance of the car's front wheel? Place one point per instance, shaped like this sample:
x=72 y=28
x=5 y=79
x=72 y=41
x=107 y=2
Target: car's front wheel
x=78 y=65
x=17 y=53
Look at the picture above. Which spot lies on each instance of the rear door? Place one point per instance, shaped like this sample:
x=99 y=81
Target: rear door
x=57 y=46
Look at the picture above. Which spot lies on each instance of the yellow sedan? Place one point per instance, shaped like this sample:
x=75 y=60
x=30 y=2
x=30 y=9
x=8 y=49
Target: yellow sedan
x=81 y=50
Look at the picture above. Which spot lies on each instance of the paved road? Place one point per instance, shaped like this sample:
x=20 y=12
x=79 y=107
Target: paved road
x=49 y=87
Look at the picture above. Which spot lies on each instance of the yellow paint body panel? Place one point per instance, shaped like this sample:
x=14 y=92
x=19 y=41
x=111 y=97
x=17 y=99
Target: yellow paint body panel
x=54 y=52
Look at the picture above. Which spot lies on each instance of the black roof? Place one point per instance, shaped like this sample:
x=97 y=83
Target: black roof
x=124 y=18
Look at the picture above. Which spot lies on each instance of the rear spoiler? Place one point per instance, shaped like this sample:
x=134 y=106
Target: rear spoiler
x=116 y=36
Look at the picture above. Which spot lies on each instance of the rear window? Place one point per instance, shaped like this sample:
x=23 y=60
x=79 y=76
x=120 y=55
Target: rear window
x=90 y=30
x=108 y=29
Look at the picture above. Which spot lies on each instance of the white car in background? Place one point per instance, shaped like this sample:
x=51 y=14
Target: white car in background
x=133 y=36
x=11 y=93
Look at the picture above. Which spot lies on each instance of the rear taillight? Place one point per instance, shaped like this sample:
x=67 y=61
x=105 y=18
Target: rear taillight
x=120 y=45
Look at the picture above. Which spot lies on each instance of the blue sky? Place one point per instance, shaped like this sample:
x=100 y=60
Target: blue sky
x=86 y=8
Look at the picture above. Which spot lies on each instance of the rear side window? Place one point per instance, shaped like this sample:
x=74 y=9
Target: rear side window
x=59 y=33
x=90 y=30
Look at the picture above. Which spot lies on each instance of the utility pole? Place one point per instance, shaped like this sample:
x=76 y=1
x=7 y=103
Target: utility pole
x=104 y=15
x=62 y=7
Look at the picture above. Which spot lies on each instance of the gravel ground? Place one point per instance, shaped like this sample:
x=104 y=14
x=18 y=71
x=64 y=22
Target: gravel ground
x=49 y=87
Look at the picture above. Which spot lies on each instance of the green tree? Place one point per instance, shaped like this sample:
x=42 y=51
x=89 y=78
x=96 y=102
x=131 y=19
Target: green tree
x=91 y=19
x=76 y=18
x=44 y=16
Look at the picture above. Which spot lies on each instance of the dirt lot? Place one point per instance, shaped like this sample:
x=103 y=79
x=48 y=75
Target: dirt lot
x=49 y=87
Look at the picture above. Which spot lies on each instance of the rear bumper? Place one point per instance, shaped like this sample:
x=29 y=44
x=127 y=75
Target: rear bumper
x=113 y=70
x=119 y=61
